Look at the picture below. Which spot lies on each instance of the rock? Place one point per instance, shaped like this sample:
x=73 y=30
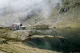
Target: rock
x=12 y=47
x=19 y=35
x=40 y=26
x=2 y=52
x=2 y=40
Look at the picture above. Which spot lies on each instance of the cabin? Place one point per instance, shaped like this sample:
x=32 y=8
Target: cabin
x=22 y=27
x=17 y=26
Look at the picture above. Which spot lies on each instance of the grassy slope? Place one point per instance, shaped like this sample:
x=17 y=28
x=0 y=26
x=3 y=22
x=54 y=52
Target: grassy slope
x=18 y=47
x=13 y=46
x=71 y=18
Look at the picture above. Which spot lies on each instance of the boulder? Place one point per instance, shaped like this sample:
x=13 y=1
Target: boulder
x=2 y=40
x=19 y=35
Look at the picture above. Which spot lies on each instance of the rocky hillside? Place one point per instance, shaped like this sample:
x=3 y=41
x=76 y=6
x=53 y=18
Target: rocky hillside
x=65 y=15
x=18 y=47
x=70 y=14
x=57 y=13
x=14 y=42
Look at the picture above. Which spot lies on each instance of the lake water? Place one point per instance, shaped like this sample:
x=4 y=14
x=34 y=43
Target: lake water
x=70 y=42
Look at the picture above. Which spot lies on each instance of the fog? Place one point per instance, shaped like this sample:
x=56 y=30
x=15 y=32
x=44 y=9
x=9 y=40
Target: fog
x=15 y=10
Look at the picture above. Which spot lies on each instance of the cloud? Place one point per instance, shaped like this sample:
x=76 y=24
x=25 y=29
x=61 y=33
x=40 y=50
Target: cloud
x=20 y=8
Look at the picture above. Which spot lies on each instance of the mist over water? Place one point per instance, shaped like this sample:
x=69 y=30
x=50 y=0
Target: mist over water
x=17 y=10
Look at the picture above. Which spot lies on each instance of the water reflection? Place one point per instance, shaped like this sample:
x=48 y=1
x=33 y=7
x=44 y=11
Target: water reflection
x=70 y=42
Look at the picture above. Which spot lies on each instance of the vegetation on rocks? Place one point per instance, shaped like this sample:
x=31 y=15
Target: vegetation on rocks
x=18 y=47
x=19 y=35
x=64 y=20
x=40 y=26
x=70 y=14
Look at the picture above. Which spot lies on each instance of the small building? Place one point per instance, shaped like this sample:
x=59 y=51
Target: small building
x=22 y=27
x=17 y=26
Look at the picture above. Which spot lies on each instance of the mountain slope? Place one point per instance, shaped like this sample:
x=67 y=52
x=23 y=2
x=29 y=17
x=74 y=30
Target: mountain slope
x=66 y=15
